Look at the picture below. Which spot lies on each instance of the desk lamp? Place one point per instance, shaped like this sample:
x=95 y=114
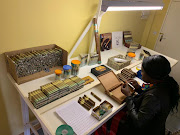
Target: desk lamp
x=116 y=5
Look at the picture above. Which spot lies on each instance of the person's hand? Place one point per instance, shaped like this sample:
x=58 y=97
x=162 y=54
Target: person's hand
x=133 y=83
x=125 y=90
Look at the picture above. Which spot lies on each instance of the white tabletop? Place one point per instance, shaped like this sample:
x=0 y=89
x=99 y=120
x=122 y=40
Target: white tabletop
x=47 y=116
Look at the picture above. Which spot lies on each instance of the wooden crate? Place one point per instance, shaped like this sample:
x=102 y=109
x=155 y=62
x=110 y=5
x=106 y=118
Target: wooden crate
x=12 y=69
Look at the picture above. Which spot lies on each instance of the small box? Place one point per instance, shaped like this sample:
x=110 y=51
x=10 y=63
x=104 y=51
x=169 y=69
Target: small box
x=100 y=70
x=112 y=86
x=102 y=110
x=118 y=65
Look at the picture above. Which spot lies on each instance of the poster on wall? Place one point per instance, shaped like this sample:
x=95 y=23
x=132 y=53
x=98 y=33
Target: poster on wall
x=117 y=39
x=106 y=41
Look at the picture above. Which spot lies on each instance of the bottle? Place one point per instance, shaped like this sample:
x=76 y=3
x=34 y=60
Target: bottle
x=58 y=73
x=130 y=55
x=67 y=71
x=75 y=67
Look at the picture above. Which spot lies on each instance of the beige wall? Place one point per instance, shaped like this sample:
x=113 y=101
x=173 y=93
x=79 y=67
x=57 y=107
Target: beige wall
x=33 y=23
x=122 y=21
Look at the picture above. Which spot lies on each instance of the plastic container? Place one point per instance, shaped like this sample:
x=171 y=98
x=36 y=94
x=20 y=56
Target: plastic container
x=139 y=75
x=83 y=58
x=75 y=67
x=58 y=73
x=130 y=55
x=93 y=59
x=67 y=71
x=141 y=56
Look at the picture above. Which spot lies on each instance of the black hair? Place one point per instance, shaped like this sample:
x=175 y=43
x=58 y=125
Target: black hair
x=158 y=67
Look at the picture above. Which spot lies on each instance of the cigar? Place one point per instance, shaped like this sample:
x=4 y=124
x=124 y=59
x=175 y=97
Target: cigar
x=89 y=105
x=89 y=101
x=97 y=41
x=83 y=105
x=96 y=96
x=82 y=102
x=130 y=85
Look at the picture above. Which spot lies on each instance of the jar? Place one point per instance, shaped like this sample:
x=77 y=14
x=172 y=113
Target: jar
x=93 y=58
x=83 y=59
x=75 y=67
x=67 y=71
x=58 y=73
x=130 y=55
x=141 y=56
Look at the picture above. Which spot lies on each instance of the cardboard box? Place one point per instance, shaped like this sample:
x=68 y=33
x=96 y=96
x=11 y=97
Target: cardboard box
x=112 y=86
x=12 y=69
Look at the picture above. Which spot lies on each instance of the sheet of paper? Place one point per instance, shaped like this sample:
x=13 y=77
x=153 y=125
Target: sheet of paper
x=77 y=117
x=117 y=39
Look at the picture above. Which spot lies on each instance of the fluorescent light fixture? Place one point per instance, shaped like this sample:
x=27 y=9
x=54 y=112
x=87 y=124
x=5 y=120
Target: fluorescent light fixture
x=127 y=5
x=131 y=8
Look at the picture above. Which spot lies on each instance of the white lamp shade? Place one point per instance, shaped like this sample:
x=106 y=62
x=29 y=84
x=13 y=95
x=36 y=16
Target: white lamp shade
x=127 y=5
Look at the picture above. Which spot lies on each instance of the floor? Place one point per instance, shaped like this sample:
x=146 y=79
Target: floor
x=40 y=132
x=173 y=122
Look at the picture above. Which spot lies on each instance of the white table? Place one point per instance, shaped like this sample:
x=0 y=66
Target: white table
x=46 y=115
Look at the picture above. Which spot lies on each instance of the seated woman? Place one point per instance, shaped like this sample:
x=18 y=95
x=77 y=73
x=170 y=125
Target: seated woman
x=147 y=111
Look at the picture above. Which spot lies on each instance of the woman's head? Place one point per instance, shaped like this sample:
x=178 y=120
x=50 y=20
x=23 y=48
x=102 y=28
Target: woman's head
x=155 y=67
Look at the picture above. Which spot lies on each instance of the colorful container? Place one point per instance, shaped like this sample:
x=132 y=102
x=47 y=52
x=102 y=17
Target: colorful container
x=130 y=55
x=75 y=67
x=67 y=71
x=58 y=73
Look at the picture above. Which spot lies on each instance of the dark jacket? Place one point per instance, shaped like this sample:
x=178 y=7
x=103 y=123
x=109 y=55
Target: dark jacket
x=147 y=112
